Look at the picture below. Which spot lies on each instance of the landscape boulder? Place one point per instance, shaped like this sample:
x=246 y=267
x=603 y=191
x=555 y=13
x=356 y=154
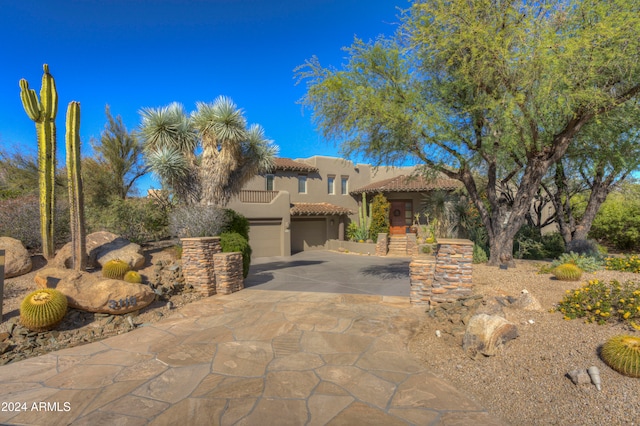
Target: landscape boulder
x=487 y=334
x=527 y=302
x=102 y=247
x=93 y=293
x=17 y=260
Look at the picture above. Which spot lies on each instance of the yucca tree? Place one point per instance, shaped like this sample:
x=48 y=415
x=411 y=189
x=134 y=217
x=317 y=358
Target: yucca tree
x=232 y=153
x=169 y=143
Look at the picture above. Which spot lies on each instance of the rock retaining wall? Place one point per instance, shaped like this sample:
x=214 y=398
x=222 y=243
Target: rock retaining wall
x=382 y=246
x=444 y=277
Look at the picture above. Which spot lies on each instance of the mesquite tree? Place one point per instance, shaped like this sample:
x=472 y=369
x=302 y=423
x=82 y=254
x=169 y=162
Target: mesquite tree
x=487 y=92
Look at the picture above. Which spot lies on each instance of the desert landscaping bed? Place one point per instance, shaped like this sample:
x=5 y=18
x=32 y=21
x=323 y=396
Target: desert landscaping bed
x=527 y=383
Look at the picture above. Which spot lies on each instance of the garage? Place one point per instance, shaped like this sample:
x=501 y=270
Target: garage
x=308 y=234
x=265 y=237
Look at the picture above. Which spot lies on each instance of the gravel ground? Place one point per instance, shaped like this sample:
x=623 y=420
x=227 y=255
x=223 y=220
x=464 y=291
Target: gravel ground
x=526 y=384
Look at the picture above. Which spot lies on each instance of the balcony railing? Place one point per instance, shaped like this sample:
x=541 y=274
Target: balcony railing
x=251 y=196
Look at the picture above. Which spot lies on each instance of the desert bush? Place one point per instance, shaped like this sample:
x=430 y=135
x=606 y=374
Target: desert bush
x=20 y=219
x=355 y=232
x=136 y=219
x=601 y=302
x=232 y=241
x=618 y=222
x=379 y=216
x=628 y=263
x=530 y=244
x=586 y=263
x=479 y=255
x=197 y=221
x=586 y=247
x=237 y=223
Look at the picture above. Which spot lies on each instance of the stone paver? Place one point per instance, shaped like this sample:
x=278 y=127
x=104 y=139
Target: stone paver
x=250 y=358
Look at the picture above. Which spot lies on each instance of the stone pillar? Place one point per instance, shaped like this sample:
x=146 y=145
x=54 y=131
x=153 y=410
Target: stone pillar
x=228 y=271
x=445 y=277
x=198 y=263
x=454 y=260
x=412 y=244
x=382 y=245
x=421 y=279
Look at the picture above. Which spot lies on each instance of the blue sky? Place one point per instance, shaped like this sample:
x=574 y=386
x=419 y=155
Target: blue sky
x=133 y=53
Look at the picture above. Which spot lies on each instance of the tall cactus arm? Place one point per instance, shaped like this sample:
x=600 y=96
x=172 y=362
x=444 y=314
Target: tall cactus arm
x=29 y=101
x=76 y=198
x=48 y=95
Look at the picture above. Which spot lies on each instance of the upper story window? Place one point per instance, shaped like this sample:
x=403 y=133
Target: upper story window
x=269 y=182
x=302 y=184
x=344 y=183
x=331 y=183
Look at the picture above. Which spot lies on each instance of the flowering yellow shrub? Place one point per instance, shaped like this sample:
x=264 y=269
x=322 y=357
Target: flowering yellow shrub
x=601 y=302
x=629 y=263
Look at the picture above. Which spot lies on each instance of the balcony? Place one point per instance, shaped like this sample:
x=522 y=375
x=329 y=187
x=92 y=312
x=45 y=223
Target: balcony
x=252 y=196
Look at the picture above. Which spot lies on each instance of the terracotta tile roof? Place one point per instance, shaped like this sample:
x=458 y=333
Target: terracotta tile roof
x=317 y=209
x=295 y=166
x=404 y=183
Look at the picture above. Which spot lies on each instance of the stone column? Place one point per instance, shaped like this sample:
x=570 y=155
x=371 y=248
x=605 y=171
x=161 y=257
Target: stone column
x=382 y=245
x=421 y=279
x=198 y=264
x=228 y=271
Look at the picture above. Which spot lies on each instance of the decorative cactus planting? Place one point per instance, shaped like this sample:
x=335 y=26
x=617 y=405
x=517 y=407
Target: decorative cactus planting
x=115 y=269
x=43 y=309
x=568 y=272
x=76 y=198
x=43 y=112
x=133 y=277
x=622 y=353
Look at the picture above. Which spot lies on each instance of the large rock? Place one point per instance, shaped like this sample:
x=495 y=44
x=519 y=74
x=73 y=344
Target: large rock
x=102 y=247
x=93 y=293
x=486 y=335
x=527 y=302
x=17 y=260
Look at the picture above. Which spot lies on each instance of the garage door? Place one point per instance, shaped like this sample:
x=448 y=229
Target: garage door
x=308 y=234
x=264 y=237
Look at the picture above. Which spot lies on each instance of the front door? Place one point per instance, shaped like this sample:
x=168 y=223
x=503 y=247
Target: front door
x=397 y=221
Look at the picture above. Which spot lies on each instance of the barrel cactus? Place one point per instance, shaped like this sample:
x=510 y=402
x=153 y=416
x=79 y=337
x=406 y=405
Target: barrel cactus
x=43 y=309
x=115 y=269
x=622 y=353
x=133 y=277
x=568 y=272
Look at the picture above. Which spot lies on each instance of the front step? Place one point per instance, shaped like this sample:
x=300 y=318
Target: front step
x=397 y=245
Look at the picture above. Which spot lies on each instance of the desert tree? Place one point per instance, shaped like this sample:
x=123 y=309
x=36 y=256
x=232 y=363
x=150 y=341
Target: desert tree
x=489 y=88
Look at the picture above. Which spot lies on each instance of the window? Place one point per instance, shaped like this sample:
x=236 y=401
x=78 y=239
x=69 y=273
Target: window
x=343 y=185
x=269 y=182
x=302 y=184
x=331 y=180
x=408 y=213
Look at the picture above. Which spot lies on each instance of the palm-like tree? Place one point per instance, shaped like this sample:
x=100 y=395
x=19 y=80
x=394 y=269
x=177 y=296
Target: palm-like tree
x=231 y=153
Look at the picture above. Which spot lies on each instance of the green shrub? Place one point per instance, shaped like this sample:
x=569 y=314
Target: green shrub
x=530 y=244
x=137 y=219
x=355 y=232
x=232 y=241
x=602 y=302
x=479 y=255
x=237 y=223
x=629 y=263
x=197 y=221
x=618 y=221
x=379 y=216
x=586 y=263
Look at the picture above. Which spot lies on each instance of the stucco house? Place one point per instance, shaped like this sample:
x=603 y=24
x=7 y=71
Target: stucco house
x=306 y=202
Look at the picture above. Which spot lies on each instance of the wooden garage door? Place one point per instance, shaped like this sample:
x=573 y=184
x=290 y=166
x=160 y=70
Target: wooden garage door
x=264 y=237
x=308 y=234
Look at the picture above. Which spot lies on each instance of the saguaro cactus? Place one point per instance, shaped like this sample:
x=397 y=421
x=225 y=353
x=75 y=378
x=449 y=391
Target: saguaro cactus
x=43 y=112
x=364 y=213
x=76 y=198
